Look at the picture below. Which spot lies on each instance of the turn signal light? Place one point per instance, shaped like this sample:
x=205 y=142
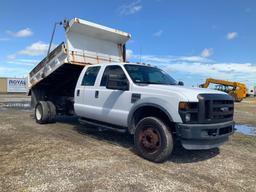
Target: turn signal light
x=183 y=105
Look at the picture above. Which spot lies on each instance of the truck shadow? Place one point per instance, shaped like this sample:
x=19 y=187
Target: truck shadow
x=179 y=156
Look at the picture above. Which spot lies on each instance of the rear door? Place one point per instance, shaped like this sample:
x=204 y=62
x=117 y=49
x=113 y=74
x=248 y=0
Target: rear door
x=85 y=93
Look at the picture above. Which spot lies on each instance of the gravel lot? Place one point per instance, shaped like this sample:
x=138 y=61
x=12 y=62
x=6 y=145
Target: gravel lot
x=65 y=157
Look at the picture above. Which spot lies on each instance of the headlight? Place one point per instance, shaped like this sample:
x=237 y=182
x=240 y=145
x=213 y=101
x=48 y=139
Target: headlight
x=189 y=111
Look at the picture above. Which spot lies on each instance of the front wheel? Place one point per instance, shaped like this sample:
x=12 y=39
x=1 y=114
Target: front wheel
x=153 y=141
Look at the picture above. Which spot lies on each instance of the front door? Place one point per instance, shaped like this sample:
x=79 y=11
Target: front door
x=112 y=106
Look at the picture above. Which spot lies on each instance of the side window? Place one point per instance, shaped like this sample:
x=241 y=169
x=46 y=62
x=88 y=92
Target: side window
x=90 y=76
x=115 y=70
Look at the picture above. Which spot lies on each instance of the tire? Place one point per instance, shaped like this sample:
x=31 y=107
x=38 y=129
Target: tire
x=236 y=99
x=239 y=100
x=153 y=141
x=52 y=111
x=33 y=99
x=42 y=112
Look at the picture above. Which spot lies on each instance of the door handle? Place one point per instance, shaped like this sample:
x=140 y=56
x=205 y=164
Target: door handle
x=77 y=92
x=96 y=94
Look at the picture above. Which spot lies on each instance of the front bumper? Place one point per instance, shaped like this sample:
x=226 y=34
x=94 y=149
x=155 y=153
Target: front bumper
x=204 y=136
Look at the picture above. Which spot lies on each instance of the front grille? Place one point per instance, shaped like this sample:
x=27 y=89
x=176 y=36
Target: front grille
x=225 y=130
x=217 y=131
x=215 y=108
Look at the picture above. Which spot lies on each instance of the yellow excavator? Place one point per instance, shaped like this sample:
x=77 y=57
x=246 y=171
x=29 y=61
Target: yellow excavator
x=235 y=89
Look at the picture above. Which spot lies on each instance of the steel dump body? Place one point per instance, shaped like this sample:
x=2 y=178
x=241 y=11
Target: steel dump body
x=86 y=43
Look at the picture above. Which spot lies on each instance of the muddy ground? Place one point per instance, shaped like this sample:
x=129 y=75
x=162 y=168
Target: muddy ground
x=245 y=111
x=65 y=157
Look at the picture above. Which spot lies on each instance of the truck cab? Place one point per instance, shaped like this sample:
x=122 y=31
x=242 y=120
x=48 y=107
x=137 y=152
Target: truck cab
x=148 y=103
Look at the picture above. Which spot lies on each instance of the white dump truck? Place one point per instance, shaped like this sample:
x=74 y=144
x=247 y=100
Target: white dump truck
x=88 y=76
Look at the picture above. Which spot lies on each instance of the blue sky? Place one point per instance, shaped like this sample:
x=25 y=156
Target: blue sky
x=191 y=39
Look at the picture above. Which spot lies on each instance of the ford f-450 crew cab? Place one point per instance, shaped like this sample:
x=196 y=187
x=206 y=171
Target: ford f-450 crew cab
x=126 y=97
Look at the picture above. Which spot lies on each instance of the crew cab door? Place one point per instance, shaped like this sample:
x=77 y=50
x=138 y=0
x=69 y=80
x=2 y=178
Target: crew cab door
x=85 y=92
x=112 y=106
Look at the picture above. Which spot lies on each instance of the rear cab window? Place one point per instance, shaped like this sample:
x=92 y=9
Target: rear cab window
x=90 y=76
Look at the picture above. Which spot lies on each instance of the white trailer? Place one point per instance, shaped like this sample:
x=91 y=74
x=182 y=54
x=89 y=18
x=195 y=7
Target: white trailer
x=86 y=43
x=251 y=91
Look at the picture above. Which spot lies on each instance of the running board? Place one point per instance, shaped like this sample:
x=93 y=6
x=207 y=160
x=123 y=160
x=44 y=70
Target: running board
x=101 y=125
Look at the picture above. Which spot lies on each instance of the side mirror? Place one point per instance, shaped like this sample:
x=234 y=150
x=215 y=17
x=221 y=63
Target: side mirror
x=117 y=82
x=181 y=83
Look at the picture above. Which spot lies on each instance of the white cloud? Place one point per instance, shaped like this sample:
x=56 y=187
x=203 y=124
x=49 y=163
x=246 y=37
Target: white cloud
x=7 y=69
x=232 y=35
x=13 y=71
x=229 y=71
x=165 y=59
x=11 y=57
x=23 y=62
x=158 y=33
x=35 y=49
x=207 y=52
x=223 y=69
x=21 y=33
x=193 y=59
x=131 y=8
x=17 y=67
x=129 y=53
x=202 y=67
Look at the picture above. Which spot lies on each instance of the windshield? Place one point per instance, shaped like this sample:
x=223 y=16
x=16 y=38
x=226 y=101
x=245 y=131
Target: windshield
x=149 y=75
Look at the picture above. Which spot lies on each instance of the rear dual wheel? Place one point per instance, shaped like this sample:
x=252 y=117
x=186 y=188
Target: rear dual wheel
x=45 y=112
x=153 y=140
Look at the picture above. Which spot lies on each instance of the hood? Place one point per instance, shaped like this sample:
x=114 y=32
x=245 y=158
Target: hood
x=190 y=93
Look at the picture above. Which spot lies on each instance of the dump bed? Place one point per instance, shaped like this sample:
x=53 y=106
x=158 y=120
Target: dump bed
x=86 y=43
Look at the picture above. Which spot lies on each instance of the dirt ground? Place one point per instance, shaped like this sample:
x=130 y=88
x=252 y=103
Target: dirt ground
x=65 y=157
x=245 y=111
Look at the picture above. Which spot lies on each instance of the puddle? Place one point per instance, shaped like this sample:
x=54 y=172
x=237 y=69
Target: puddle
x=245 y=129
x=23 y=105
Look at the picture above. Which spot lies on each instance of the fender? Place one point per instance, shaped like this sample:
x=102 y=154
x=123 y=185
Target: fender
x=151 y=102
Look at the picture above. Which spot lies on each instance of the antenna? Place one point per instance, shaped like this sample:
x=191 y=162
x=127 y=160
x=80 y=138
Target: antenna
x=54 y=28
x=140 y=54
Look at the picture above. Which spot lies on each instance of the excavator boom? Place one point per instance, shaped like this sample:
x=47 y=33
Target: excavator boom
x=238 y=90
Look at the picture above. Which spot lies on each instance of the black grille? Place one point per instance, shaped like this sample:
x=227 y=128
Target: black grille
x=225 y=130
x=215 y=108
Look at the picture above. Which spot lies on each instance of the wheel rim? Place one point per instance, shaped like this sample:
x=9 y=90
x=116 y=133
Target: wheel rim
x=150 y=140
x=38 y=113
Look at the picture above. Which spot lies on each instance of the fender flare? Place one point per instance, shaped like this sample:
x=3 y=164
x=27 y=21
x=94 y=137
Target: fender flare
x=147 y=102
